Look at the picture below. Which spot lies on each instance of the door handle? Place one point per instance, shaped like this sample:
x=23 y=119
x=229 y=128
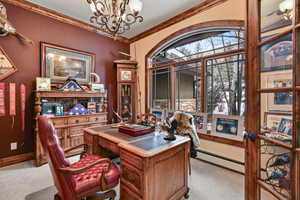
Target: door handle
x=250 y=136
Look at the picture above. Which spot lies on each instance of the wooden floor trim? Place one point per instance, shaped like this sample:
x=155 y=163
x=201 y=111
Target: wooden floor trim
x=16 y=159
x=182 y=16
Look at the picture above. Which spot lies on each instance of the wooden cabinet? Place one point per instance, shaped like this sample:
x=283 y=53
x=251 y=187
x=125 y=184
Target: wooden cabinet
x=69 y=127
x=146 y=178
x=126 y=89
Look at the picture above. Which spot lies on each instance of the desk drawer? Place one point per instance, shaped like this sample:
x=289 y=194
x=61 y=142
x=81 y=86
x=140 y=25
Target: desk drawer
x=134 y=160
x=58 y=122
x=132 y=178
x=109 y=145
x=98 y=118
x=77 y=120
x=127 y=194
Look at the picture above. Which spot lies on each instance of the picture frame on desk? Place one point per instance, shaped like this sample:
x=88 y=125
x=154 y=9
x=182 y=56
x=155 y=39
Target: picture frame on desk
x=43 y=84
x=228 y=126
x=60 y=63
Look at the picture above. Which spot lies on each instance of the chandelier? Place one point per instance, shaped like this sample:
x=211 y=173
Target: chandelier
x=115 y=16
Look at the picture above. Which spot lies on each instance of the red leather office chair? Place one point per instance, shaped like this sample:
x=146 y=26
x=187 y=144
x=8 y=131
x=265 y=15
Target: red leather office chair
x=91 y=174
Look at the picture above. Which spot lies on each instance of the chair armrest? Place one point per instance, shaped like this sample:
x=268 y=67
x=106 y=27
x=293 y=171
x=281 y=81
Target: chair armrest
x=85 y=146
x=73 y=171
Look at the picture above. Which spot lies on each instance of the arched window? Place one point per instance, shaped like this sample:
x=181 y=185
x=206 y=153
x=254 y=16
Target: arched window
x=199 y=70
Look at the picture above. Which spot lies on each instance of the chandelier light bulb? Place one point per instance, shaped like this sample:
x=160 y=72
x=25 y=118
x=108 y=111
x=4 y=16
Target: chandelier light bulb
x=135 y=6
x=93 y=7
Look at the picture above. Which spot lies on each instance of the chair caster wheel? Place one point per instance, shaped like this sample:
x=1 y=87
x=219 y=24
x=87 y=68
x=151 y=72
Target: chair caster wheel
x=57 y=197
x=187 y=195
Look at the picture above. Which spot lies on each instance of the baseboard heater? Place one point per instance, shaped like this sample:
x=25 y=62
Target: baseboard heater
x=223 y=158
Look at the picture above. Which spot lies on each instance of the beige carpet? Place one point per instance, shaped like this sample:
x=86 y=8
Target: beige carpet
x=26 y=182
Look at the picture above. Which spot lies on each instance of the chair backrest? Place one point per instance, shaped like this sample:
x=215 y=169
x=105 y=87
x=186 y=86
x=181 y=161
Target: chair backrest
x=50 y=142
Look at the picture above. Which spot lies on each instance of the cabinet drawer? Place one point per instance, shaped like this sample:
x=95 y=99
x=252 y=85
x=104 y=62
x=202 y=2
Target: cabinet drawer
x=77 y=120
x=58 y=122
x=98 y=118
x=78 y=130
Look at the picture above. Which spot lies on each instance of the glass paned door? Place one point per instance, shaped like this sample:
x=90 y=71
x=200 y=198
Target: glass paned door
x=273 y=68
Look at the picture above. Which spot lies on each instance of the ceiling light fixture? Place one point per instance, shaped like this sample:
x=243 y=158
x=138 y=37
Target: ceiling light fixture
x=115 y=16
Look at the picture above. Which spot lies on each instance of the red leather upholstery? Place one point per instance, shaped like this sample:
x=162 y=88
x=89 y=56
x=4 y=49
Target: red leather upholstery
x=92 y=177
x=73 y=187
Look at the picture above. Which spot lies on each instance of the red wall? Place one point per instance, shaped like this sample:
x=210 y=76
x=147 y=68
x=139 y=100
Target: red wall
x=27 y=59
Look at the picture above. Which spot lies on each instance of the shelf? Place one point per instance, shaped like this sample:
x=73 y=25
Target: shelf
x=86 y=115
x=80 y=124
x=68 y=94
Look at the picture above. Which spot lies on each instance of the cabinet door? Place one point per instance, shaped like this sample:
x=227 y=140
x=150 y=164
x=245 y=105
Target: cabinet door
x=75 y=138
x=61 y=134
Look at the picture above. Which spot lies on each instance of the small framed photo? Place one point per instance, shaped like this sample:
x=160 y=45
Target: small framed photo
x=43 y=84
x=98 y=87
x=278 y=122
x=201 y=122
x=228 y=126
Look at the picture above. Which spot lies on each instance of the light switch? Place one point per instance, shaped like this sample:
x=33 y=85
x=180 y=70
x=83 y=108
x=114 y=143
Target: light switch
x=13 y=146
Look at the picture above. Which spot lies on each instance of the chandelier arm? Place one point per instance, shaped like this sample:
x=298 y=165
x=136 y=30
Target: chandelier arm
x=113 y=16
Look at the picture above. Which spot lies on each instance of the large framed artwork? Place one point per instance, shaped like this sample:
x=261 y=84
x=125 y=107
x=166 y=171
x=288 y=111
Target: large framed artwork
x=277 y=55
x=60 y=63
x=228 y=126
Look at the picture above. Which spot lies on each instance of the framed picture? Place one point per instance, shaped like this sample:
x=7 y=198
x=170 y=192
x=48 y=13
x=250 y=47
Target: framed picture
x=43 y=84
x=201 y=122
x=280 y=122
x=280 y=101
x=60 y=63
x=277 y=55
x=271 y=17
x=7 y=67
x=228 y=126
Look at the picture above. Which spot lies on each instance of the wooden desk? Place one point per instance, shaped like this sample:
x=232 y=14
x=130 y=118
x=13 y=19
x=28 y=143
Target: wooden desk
x=152 y=168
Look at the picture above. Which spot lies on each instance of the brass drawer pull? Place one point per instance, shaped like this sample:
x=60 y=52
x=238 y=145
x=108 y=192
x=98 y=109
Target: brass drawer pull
x=76 y=121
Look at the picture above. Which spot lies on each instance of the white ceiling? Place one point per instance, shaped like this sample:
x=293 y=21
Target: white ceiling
x=154 y=11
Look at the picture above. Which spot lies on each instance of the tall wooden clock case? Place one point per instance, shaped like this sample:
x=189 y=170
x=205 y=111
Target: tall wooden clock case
x=126 y=89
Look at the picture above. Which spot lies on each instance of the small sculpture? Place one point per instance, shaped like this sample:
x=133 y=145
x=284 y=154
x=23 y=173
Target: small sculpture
x=7 y=28
x=171 y=128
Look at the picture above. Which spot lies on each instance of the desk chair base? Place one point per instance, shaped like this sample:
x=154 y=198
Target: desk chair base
x=109 y=195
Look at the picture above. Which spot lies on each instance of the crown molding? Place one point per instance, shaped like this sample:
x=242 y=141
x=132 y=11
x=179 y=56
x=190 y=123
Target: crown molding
x=182 y=16
x=61 y=17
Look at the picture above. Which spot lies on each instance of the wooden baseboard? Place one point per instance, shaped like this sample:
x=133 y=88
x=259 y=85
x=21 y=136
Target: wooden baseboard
x=16 y=159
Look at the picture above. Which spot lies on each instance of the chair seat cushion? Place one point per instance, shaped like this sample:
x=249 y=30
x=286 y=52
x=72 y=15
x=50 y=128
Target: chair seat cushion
x=91 y=178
